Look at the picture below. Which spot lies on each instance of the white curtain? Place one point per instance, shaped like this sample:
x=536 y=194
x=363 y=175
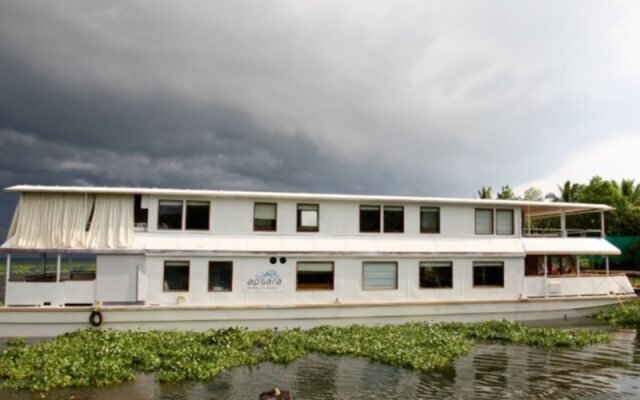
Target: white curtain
x=112 y=222
x=50 y=220
x=59 y=220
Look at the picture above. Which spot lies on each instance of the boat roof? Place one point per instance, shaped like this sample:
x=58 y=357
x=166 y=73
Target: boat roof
x=532 y=208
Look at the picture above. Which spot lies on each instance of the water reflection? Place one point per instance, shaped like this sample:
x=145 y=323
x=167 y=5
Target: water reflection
x=489 y=371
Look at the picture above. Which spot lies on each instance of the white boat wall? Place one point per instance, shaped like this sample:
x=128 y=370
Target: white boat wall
x=195 y=260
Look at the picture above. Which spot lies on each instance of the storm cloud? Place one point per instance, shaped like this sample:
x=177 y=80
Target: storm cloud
x=386 y=97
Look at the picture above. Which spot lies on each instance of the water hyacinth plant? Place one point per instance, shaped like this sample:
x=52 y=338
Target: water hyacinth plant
x=627 y=315
x=104 y=357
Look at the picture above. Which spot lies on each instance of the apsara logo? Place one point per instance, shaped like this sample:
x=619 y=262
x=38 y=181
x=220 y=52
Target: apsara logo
x=267 y=280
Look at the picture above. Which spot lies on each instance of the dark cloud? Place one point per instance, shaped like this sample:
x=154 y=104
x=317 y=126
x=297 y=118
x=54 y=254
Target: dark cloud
x=367 y=97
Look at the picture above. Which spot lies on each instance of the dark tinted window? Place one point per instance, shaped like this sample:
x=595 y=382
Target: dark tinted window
x=170 y=214
x=393 y=219
x=176 y=276
x=314 y=276
x=220 y=276
x=488 y=274
x=369 y=219
x=436 y=274
x=198 y=215
x=140 y=215
x=430 y=220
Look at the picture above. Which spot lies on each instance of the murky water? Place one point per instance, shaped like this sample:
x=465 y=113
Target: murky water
x=607 y=371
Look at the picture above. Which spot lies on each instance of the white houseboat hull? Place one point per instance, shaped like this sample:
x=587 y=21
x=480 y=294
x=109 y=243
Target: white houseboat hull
x=52 y=321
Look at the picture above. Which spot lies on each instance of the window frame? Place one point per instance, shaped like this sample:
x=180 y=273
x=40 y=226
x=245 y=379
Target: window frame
x=164 y=274
x=437 y=231
x=379 y=218
x=434 y=261
x=473 y=266
x=186 y=215
x=299 y=227
x=384 y=219
x=493 y=222
x=333 y=277
x=513 y=221
x=182 y=216
x=209 y=276
x=260 y=229
x=379 y=289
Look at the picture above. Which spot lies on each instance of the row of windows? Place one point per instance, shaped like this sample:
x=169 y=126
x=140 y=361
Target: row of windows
x=194 y=215
x=319 y=275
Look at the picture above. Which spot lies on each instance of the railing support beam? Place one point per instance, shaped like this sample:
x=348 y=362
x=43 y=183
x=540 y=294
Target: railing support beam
x=545 y=276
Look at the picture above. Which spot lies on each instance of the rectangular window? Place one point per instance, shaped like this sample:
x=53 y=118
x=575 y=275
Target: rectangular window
x=504 y=222
x=170 y=214
x=429 y=219
x=488 y=274
x=176 y=276
x=220 y=276
x=308 y=217
x=198 y=215
x=140 y=215
x=265 y=216
x=436 y=274
x=534 y=265
x=379 y=275
x=314 y=276
x=369 y=219
x=484 y=221
x=393 y=219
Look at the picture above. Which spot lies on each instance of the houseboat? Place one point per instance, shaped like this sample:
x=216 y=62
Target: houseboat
x=149 y=258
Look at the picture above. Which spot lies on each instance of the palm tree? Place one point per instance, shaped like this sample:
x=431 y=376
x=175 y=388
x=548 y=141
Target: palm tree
x=629 y=190
x=569 y=193
x=485 y=192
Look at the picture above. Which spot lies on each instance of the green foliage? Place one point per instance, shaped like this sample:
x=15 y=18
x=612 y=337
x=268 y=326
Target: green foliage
x=485 y=192
x=506 y=194
x=103 y=357
x=626 y=315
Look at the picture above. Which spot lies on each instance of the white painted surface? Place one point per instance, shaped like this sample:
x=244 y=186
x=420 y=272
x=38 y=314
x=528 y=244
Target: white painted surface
x=578 y=286
x=55 y=293
x=46 y=322
x=117 y=277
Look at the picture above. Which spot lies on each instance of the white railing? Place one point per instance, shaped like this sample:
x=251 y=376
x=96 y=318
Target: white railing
x=556 y=232
x=576 y=286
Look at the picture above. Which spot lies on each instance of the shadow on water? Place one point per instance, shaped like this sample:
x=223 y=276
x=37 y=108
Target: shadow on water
x=488 y=371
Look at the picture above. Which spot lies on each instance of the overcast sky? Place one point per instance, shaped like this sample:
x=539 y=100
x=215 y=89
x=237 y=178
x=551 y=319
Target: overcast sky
x=378 y=97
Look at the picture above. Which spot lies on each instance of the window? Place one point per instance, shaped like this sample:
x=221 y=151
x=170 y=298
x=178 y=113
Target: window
x=379 y=275
x=220 y=276
x=369 y=219
x=429 y=219
x=78 y=267
x=170 y=214
x=140 y=215
x=198 y=215
x=436 y=274
x=308 y=217
x=504 y=222
x=314 y=276
x=561 y=265
x=489 y=274
x=534 y=265
x=393 y=219
x=36 y=267
x=264 y=217
x=176 y=276
x=484 y=221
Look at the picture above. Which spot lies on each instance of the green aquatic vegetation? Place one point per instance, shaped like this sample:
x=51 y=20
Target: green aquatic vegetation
x=626 y=315
x=94 y=357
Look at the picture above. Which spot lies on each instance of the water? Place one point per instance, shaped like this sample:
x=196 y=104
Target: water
x=489 y=371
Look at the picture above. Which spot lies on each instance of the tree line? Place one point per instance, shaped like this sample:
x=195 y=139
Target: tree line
x=623 y=195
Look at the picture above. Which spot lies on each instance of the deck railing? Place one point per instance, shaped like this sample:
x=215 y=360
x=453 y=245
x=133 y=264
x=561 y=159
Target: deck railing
x=558 y=233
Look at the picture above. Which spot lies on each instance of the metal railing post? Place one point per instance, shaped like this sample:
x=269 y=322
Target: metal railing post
x=545 y=276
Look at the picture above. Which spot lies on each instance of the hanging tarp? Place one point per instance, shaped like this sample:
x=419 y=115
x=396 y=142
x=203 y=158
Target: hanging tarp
x=60 y=220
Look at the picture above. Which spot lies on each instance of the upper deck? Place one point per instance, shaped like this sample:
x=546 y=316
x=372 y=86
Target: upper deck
x=152 y=219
